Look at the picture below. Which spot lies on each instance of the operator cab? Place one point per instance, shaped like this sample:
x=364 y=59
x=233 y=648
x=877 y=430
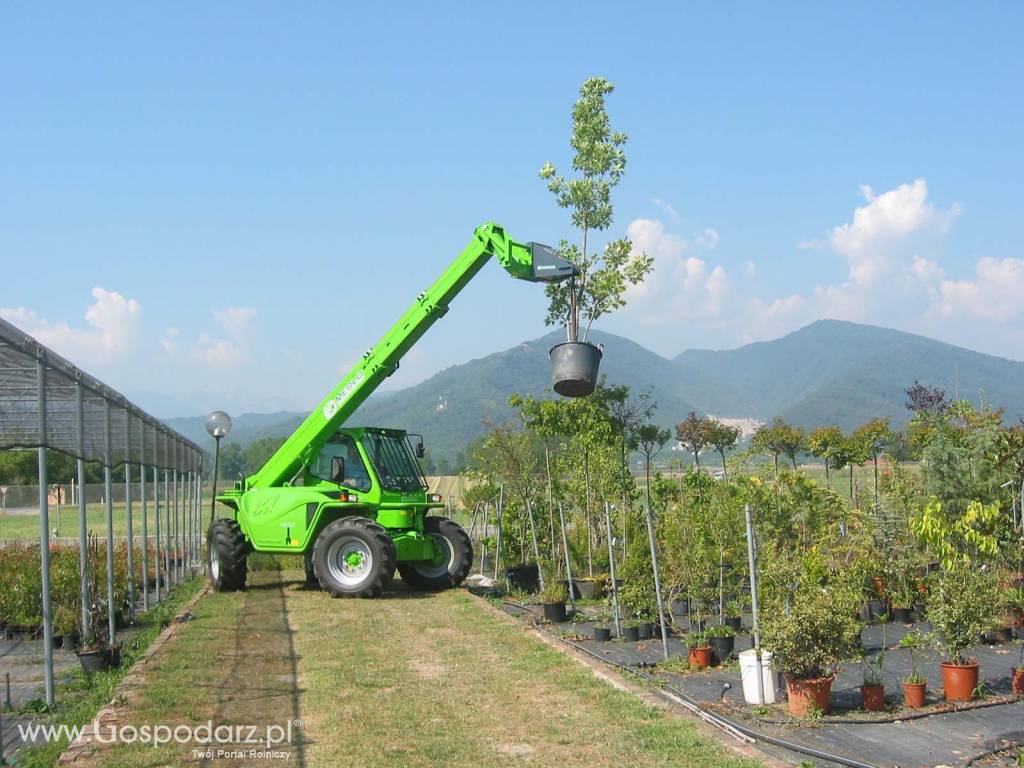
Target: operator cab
x=355 y=458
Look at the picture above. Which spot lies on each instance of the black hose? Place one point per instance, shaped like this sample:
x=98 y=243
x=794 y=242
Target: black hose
x=752 y=733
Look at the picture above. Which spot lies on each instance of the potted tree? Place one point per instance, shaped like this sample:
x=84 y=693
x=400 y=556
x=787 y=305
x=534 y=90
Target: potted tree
x=698 y=650
x=914 y=684
x=734 y=613
x=552 y=599
x=962 y=609
x=872 y=689
x=809 y=641
x=723 y=641
x=600 y=281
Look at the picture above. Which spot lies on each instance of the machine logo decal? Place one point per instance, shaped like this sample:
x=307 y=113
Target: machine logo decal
x=335 y=403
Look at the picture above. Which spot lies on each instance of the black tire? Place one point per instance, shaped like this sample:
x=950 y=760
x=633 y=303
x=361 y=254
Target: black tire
x=310 y=569
x=226 y=553
x=443 y=575
x=344 y=542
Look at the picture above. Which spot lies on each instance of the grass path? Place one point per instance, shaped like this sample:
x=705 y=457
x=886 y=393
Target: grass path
x=410 y=679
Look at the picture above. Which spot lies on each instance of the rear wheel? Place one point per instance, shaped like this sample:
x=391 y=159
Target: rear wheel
x=308 y=567
x=226 y=551
x=453 y=561
x=354 y=557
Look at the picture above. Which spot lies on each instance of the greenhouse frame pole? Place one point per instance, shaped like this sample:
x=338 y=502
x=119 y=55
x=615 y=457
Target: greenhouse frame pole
x=174 y=497
x=44 y=532
x=190 y=535
x=167 y=522
x=145 y=527
x=83 y=523
x=536 y=549
x=568 y=567
x=611 y=568
x=128 y=509
x=199 y=513
x=109 y=508
x=157 y=565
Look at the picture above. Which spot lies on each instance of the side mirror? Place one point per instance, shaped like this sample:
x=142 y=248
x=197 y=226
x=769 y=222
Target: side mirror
x=420 y=450
x=337 y=469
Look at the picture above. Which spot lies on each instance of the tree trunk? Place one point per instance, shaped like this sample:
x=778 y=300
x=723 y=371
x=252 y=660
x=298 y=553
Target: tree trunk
x=851 y=482
x=776 y=466
x=828 y=478
x=551 y=505
x=590 y=528
x=725 y=470
x=875 y=457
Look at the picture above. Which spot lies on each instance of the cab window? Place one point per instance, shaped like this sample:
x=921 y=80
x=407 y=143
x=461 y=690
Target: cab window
x=342 y=446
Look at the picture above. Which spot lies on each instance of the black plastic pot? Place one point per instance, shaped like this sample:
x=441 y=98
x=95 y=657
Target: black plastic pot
x=554 y=612
x=94 y=661
x=113 y=654
x=586 y=588
x=631 y=634
x=645 y=630
x=602 y=634
x=722 y=647
x=574 y=367
x=70 y=642
x=901 y=615
x=734 y=622
x=524 y=578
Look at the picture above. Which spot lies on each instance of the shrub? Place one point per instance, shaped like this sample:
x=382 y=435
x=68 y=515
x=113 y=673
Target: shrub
x=816 y=634
x=963 y=607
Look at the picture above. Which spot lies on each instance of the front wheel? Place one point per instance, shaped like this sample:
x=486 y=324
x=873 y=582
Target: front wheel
x=452 y=564
x=226 y=551
x=354 y=557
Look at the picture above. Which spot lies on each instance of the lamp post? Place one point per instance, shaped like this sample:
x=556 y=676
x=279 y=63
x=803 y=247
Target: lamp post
x=218 y=424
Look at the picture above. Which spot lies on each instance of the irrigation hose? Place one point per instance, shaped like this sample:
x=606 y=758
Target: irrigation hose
x=724 y=723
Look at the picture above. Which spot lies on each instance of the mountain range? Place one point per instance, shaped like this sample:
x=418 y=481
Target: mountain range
x=829 y=372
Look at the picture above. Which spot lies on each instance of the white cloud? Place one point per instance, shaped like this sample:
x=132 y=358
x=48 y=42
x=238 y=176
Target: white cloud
x=883 y=231
x=169 y=339
x=680 y=287
x=659 y=203
x=707 y=239
x=749 y=270
x=113 y=323
x=994 y=293
x=216 y=353
x=232 y=347
x=235 y=320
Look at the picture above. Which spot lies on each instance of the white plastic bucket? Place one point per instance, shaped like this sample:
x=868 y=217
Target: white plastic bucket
x=748 y=674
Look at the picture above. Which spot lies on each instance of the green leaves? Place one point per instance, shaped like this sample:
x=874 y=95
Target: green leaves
x=963 y=608
x=600 y=161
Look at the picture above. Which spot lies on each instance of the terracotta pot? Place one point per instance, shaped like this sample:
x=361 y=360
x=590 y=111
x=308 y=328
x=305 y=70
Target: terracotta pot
x=1017 y=680
x=913 y=694
x=809 y=696
x=959 y=680
x=873 y=697
x=700 y=658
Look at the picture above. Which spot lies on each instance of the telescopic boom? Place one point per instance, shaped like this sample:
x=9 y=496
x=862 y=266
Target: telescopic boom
x=529 y=261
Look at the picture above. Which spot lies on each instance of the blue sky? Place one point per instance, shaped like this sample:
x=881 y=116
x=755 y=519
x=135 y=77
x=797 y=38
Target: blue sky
x=225 y=204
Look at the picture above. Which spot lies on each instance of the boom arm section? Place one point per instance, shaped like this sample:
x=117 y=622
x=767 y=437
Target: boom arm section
x=529 y=261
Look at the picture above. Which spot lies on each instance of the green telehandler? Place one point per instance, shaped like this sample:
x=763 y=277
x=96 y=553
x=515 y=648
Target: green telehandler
x=353 y=500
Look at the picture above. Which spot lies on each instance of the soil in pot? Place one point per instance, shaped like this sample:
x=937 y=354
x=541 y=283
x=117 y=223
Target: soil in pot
x=959 y=680
x=94 y=661
x=809 y=696
x=913 y=695
x=699 y=658
x=574 y=367
x=631 y=634
x=901 y=615
x=1017 y=680
x=602 y=634
x=734 y=622
x=873 y=697
x=524 y=578
x=722 y=648
x=554 y=612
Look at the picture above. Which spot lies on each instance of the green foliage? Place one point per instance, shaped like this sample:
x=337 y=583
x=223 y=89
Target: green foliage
x=964 y=606
x=779 y=439
x=912 y=641
x=600 y=160
x=554 y=592
x=959 y=539
x=818 y=632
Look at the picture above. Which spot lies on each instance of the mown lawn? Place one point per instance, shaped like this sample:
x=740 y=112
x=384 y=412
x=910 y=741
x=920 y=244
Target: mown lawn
x=406 y=680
